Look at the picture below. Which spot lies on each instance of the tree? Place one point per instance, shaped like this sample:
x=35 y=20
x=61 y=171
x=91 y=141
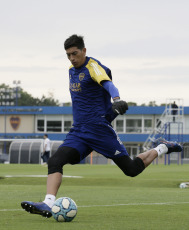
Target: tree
x=48 y=101
x=143 y=104
x=130 y=103
x=27 y=99
x=152 y=103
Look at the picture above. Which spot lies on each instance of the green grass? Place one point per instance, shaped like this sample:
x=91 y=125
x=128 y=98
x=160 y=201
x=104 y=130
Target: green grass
x=107 y=199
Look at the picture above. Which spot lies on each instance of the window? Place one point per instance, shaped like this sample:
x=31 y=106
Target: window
x=67 y=126
x=40 y=125
x=147 y=125
x=68 y=121
x=54 y=126
x=119 y=126
x=133 y=125
x=133 y=150
x=51 y=123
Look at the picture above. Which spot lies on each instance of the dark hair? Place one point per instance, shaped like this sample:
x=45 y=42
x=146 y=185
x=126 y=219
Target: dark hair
x=74 y=41
x=45 y=135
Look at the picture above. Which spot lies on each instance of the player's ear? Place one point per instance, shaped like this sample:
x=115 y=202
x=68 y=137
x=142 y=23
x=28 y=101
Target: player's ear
x=84 y=50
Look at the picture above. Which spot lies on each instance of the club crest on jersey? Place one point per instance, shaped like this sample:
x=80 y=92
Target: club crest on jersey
x=81 y=76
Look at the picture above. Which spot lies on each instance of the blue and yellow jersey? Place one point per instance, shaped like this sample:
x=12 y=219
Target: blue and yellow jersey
x=90 y=101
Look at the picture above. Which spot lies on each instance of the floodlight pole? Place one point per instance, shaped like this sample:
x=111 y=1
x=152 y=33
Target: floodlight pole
x=16 y=90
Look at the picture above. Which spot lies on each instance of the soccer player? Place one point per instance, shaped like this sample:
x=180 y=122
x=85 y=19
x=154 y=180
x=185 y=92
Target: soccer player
x=91 y=89
x=46 y=149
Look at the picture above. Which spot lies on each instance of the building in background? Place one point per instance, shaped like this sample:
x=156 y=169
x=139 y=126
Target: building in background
x=134 y=128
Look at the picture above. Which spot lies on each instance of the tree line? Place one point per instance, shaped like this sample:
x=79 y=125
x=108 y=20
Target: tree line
x=27 y=99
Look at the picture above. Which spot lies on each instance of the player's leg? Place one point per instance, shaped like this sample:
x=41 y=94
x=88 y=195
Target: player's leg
x=46 y=157
x=105 y=140
x=134 y=167
x=130 y=167
x=161 y=146
x=71 y=151
x=62 y=156
x=148 y=156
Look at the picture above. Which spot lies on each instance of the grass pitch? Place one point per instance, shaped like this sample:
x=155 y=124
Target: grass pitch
x=106 y=198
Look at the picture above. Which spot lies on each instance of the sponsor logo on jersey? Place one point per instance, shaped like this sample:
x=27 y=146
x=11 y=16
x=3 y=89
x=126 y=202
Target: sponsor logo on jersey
x=75 y=87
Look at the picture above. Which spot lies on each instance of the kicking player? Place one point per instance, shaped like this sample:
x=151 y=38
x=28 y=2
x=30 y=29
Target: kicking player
x=91 y=91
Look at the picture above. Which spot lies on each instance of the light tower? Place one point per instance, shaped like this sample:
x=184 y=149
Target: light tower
x=17 y=90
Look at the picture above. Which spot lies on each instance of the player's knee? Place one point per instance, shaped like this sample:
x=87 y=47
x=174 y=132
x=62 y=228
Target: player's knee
x=62 y=156
x=54 y=165
x=135 y=168
x=131 y=173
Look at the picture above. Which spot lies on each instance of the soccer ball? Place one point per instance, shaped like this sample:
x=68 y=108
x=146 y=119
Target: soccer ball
x=64 y=209
x=183 y=185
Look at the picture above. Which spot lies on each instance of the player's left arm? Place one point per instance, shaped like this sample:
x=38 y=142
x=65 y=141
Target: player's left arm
x=99 y=75
x=119 y=106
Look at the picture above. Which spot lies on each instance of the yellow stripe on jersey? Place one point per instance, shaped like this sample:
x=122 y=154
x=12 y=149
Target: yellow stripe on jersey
x=97 y=73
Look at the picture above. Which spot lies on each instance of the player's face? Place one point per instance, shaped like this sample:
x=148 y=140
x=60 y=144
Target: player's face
x=76 y=56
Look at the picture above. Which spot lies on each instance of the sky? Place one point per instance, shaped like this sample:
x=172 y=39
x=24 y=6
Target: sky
x=145 y=43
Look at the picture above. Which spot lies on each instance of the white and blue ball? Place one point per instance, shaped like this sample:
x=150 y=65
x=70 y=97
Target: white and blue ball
x=64 y=209
x=183 y=185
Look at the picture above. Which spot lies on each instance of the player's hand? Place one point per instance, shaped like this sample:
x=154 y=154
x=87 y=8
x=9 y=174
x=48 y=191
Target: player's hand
x=120 y=107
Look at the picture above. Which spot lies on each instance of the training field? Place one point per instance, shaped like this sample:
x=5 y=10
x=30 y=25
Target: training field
x=106 y=198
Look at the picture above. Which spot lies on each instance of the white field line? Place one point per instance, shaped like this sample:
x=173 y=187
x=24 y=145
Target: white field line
x=110 y=205
x=10 y=176
x=132 y=204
